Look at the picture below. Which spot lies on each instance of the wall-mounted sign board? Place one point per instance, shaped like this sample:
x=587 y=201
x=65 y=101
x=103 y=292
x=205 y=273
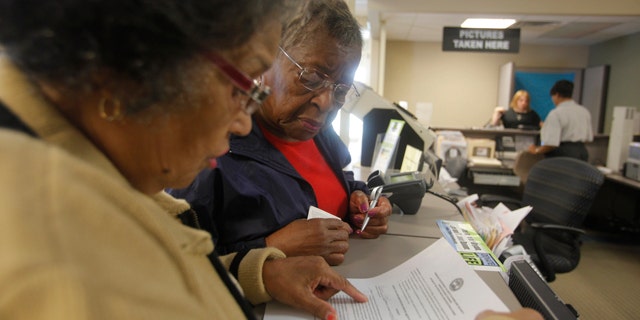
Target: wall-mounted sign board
x=481 y=40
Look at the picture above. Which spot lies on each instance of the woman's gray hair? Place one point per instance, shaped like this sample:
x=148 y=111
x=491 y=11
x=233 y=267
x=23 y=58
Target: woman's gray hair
x=330 y=16
x=144 y=41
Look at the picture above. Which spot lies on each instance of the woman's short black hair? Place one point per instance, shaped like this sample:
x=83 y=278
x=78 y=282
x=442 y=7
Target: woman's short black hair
x=65 y=40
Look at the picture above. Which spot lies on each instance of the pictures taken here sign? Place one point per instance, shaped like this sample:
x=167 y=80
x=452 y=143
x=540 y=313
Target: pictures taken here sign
x=481 y=40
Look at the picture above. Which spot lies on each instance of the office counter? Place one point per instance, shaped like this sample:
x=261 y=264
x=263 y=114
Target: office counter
x=597 y=148
x=423 y=223
x=619 y=178
x=368 y=258
x=482 y=133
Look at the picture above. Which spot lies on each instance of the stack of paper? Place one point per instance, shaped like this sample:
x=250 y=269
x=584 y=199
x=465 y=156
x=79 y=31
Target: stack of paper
x=494 y=225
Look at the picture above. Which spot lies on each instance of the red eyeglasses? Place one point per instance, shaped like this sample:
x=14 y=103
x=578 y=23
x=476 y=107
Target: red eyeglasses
x=249 y=88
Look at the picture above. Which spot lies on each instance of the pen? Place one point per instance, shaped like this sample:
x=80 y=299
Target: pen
x=375 y=195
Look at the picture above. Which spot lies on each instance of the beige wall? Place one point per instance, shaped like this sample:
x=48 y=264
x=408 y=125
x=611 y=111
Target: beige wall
x=623 y=56
x=462 y=86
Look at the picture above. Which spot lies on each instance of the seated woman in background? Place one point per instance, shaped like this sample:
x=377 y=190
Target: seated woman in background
x=519 y=115
x=292 y=159
x=103 y=104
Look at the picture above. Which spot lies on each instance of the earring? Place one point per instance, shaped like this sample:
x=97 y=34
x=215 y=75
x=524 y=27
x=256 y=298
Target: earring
x=110 y=109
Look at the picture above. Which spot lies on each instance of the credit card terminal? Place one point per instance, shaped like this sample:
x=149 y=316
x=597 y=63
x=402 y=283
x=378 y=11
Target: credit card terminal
x=407 y=188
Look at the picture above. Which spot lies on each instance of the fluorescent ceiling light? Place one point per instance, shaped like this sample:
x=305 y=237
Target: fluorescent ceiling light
x=488 y=23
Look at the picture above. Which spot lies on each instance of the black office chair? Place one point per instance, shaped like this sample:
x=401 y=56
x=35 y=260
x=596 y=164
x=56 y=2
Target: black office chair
x=561 y=191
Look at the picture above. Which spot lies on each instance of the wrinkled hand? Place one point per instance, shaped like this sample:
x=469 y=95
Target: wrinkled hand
x=359 y=207
x=327 y=238
x=305 y=283
x=521 y=314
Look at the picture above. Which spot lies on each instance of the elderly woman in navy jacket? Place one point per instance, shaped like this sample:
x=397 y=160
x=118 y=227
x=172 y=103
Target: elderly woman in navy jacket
x=262 y=190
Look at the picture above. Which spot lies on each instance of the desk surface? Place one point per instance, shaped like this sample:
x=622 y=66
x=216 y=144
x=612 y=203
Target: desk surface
x=617 y=177
x=423 y=223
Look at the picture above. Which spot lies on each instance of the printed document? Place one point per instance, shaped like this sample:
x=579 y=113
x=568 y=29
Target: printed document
x=434 y=284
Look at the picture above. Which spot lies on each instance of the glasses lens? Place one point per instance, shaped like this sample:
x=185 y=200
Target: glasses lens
x=311 y=79
x=245 y=102
x=340 y=92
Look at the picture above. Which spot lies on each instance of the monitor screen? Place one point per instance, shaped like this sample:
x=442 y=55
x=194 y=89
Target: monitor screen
x=401 y=178
x=374 y=126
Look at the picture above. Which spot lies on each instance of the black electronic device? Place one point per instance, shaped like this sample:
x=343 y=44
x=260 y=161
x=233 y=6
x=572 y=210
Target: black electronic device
x=533 y=292
x=406 y=188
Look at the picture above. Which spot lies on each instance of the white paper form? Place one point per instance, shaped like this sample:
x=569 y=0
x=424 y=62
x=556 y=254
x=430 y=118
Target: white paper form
x=434 y=284
x=317 y=213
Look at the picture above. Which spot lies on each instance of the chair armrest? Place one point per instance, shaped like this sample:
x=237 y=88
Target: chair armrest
x=542 y=228
x=547 y=226
x=492 y=200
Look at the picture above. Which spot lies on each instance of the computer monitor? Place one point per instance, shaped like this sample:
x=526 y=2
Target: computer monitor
x=376 y=112
x=374 y=126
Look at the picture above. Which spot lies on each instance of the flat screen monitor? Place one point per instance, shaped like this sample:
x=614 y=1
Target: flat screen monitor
x=376 y=112
x=374 y=126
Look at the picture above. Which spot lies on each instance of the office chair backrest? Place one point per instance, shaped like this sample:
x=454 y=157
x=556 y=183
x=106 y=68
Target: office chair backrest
x=561 y=190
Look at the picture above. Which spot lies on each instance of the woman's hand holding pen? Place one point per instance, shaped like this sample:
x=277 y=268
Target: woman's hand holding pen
x=327 y=238
x=379 y=215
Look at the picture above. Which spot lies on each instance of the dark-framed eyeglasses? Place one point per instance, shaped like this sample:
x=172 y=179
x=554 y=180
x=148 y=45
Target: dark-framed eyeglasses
x=249 y=92
x=314 y=80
